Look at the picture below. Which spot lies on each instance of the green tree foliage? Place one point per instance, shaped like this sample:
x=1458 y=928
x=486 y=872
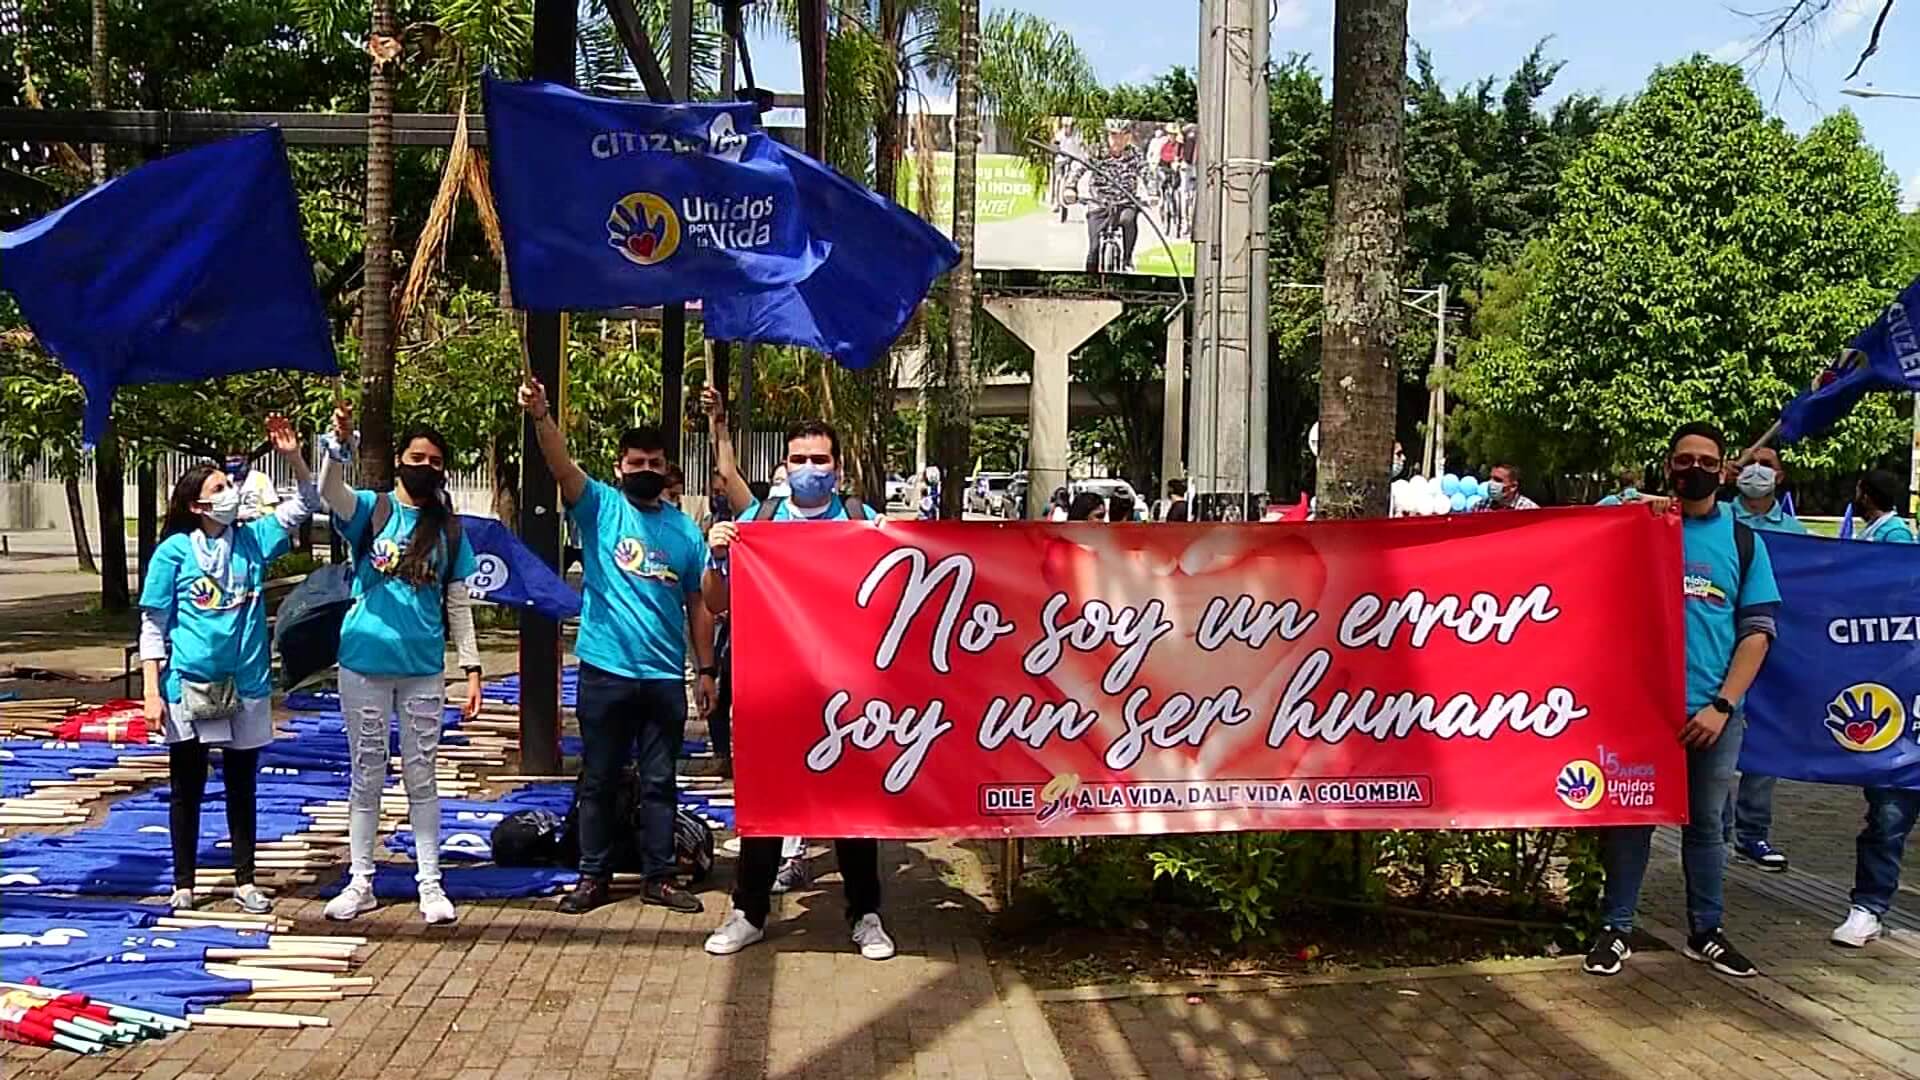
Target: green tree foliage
x=1705 y=264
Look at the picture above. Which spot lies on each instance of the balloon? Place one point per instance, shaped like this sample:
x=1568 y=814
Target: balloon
x=1449 y=484
x=1439 y=505
x=1476 y=502
x=1457 y=502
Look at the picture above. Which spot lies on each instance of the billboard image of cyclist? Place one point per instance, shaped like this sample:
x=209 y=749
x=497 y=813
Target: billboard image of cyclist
x=1110 y=189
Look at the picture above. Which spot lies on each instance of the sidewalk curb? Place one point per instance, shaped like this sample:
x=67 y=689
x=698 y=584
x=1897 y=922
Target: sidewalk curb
x=1039 y=1048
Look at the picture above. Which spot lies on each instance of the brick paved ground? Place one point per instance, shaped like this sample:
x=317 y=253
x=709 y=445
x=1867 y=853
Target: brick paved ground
x=516 y=991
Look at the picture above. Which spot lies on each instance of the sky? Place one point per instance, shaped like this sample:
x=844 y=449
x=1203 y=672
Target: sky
x=1609 y=48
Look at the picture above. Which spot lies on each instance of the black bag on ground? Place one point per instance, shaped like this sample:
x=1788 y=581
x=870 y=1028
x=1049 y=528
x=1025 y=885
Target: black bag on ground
x=692 y=838
x=528 y=838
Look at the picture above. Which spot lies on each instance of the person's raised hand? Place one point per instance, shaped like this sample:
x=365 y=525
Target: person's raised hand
x=533 y=397
x=280 y=433
x=715 y=409
x=343 y=422
x=721 y=539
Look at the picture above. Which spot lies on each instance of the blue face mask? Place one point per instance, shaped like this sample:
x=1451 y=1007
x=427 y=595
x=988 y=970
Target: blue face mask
x=811 y=485
x=722 y=510
x=236 y=470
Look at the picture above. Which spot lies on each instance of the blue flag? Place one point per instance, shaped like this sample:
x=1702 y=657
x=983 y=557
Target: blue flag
x=1838 y=701
x=609 y=204
x=882 y=263
x=186 y=268
x=1884 y=356
x=511 y=575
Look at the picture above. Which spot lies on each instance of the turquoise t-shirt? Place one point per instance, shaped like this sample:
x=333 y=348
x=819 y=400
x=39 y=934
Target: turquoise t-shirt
x=394 y=628
x=1890 y=530
x=1714 y=597
x=1776 y=519
x=637 y=569
x=836 y=511
x=218 y=628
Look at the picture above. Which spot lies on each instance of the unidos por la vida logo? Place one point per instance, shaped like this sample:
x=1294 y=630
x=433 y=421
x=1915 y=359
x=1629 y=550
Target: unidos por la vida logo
x=648 y=228
x=1583 y=784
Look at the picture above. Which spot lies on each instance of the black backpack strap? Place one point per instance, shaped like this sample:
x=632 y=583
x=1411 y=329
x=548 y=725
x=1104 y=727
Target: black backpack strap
x=376 y=523
x=1743 y=542
x=769 y=508
x=856 y=510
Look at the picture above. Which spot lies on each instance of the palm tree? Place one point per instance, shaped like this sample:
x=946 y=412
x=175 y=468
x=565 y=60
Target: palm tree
x=376 y=293
x=1364 y=244
x=954 y=402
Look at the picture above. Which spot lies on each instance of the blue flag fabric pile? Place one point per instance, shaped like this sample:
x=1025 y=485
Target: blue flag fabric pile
x=1884 y=356
x=1838 y=701
x=609 y=204
x=189 y=267
x=510 y=574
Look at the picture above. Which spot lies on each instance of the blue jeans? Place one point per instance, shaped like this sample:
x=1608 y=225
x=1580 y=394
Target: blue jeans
x=1624 y=850
x=646 y=718
x=1748 y=815
x=1876 y=869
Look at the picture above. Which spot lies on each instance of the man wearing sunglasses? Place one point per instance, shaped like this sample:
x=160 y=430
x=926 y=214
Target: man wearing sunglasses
x=813 y=484
x=1731 y=603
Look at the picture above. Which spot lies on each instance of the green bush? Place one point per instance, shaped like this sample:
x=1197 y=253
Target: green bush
x=293 y=564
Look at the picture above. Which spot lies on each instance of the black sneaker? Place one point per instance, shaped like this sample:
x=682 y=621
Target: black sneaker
x=1713 y=948
x=670 y=896
x=1763 y=855
x=590 y=893
x=1609 y=951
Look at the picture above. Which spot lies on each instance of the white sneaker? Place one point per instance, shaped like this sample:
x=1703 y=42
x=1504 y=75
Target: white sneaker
x=354 y=901
x=872 y=938
x=434 y=905
x=181 y=900
x=252 y=900
x=1861 y=927
x=735 y=934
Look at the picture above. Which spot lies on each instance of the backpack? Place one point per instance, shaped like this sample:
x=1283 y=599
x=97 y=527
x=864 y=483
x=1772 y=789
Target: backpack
x=692 y=838
x=528 y=838
x=1743 y=544
x=856 y=510
x=377 y=523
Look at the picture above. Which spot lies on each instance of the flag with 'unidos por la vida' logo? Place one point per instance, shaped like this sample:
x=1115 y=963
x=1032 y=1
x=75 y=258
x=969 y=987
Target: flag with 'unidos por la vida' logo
x=1838 y=700
x=608 y=204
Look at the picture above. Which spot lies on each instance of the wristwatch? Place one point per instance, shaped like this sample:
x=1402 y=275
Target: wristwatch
x=1724 y=706
x=471 y=669
x=712 y=672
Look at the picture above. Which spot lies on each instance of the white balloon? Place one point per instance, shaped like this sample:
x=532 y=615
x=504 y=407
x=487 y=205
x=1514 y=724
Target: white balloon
x=1438 y=504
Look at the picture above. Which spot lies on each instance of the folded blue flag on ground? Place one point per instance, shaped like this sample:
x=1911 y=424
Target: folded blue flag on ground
x=1838 y=701
x=882 y=263
x=511 y=575
x=609 y=204
x=186 y=268
x=1884 y=356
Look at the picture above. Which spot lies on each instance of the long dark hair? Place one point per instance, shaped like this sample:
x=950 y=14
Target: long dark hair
x=181 y=515
x=1083 y=506
x=430 y=528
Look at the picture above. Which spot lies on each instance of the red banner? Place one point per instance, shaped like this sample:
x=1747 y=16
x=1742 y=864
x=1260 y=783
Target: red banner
x=1472 y=672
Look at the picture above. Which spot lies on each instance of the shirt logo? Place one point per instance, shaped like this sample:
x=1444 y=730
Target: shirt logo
x=633 y=556
x=385 y=555
x=1698 y=585
x=205 y=594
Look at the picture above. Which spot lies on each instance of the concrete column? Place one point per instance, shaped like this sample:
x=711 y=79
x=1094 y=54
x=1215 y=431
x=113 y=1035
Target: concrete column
x=1052 y=328
x=1173 y=409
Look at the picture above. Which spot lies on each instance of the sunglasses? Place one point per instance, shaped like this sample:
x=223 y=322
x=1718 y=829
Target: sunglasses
x=1696 y=461
x=809 y=459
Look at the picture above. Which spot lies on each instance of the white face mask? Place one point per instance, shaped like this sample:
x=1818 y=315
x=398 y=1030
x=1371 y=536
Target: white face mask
x=225 y=506
x=1757 y=481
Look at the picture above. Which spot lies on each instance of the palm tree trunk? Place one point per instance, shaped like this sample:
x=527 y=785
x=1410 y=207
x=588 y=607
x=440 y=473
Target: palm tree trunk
x=1364 y=245
x=955 y=409
x=110 y=496
x=97 y=84
x=376 y=294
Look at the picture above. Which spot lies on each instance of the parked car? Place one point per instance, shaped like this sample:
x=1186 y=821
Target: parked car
x=987 y=492
x=1108 y=487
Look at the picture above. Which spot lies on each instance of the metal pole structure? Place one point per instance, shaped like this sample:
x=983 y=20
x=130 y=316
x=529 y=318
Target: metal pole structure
x=554 y=27
x=673 y=317
x=1229 y=420
x=720 y=367
x=1440 y=381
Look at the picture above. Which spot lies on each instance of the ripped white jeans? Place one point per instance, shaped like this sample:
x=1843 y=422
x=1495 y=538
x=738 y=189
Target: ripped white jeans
x=368 y=705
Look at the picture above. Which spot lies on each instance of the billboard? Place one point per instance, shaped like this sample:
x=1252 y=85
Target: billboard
x=1092 y=208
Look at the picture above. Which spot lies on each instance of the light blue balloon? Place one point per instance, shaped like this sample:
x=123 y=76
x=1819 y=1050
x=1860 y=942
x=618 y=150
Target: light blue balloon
x=1472 y=486
x=1449 y=484
x=1476 y=502
x=1458 y=502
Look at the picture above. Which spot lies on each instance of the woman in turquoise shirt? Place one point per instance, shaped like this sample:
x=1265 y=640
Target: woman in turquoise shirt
x=411 y=562
x=203 y=653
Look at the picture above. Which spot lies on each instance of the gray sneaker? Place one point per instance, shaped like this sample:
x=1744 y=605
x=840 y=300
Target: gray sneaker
x=793 y=875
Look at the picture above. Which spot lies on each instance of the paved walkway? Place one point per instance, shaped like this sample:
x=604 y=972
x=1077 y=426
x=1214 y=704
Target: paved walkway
x=518 y=991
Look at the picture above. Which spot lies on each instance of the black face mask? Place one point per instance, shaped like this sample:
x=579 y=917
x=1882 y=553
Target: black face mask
x=423 y=482
x=645 y=485
x=1695 y=483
